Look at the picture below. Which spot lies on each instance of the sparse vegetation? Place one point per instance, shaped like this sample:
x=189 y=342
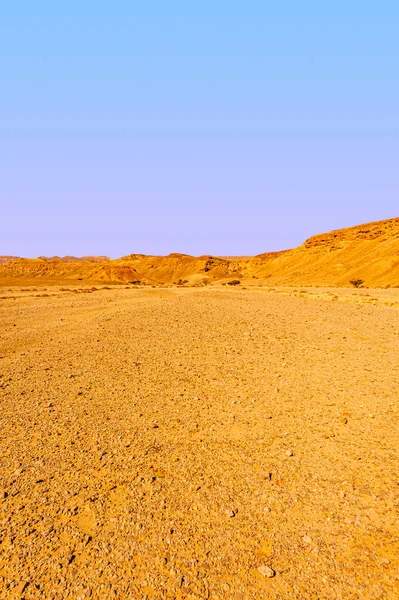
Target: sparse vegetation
x=234 y=282
x=356 y=282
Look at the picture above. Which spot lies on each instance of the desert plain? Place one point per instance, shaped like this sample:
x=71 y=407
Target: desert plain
x=199 y=443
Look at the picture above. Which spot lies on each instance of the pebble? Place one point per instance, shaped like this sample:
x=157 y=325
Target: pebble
x=289 y=453
x=21 y=587
x=307 y=539
x=266 y=571
x=230 y=513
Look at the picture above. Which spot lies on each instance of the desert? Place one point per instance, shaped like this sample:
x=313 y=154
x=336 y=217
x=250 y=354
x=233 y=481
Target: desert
x=198 y=442
x=199 y=300
x=367 y=252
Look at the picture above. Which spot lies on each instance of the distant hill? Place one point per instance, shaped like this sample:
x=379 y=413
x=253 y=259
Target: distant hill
x=368 y=252
x=6 y=259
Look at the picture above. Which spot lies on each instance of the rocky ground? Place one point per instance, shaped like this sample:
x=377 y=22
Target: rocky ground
x=199 y=444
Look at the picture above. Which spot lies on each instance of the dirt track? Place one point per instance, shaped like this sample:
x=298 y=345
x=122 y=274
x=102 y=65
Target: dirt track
x=169 y=443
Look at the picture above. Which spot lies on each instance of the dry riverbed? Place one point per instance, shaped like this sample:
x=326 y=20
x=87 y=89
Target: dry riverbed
x=199 y=443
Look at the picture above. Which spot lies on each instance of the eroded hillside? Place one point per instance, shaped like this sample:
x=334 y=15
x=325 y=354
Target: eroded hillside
x=368 y=252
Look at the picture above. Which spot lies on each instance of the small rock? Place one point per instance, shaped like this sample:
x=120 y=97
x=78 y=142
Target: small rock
x=266 y=571
x=230 y=513
x=267 y=509
x=289 y=453
x=344 y=420
x=21 y=587
x=307 y=539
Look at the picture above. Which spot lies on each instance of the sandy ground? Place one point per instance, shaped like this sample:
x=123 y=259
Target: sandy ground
x=199 y=443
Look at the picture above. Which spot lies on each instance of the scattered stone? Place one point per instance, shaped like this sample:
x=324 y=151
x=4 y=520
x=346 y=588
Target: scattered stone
x=266 y=571
x=307 y=539
x=109 y=507
x=21 y=587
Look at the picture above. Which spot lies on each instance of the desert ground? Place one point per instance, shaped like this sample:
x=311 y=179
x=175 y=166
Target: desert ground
x=199 y=443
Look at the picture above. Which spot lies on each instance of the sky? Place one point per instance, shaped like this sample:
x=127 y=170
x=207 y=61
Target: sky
x=226 y=128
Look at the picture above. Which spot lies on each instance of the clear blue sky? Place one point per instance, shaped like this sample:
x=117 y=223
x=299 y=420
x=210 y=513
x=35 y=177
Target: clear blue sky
x=215 y=127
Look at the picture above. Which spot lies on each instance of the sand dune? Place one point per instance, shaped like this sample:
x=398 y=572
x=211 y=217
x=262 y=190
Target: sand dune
x=369 y=252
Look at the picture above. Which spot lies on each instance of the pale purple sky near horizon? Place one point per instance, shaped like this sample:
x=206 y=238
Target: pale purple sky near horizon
x=197 y=132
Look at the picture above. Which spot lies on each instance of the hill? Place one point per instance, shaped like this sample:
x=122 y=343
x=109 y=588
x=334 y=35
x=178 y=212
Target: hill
x=368 y=252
